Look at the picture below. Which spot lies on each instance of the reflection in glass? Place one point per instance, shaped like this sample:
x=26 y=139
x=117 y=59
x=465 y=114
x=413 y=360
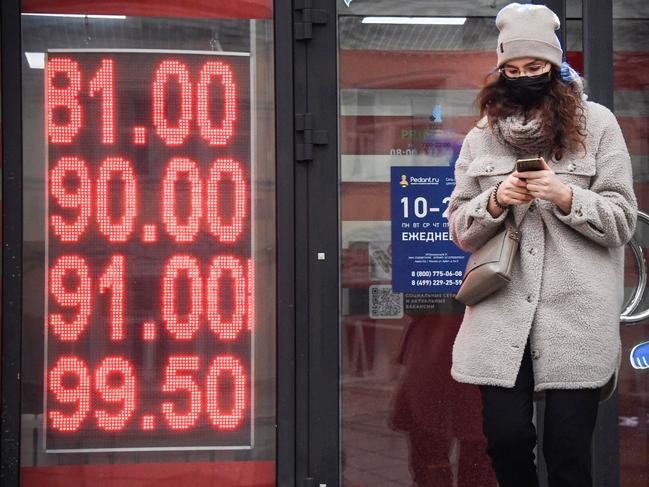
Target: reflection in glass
x=119 y=197
x=405 y=421
x=631 y=103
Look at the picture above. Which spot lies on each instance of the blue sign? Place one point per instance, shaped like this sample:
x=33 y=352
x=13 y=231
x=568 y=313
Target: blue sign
x=640 y=356
x=424 y=258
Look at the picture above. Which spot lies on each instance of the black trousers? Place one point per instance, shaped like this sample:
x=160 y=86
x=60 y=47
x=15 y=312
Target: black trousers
x=569 y=422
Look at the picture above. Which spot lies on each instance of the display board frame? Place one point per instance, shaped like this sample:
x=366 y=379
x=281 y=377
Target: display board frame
x=251 y=217
x=286 y=67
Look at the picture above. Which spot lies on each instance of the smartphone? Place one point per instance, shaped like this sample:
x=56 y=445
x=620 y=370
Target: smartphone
x=534 y=164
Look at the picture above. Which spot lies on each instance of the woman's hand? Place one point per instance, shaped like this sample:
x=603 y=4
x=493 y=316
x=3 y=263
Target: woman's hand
x=546 y=185
x=513 y=191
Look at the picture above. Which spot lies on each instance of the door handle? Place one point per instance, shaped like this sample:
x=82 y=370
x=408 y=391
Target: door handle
x=636 y=297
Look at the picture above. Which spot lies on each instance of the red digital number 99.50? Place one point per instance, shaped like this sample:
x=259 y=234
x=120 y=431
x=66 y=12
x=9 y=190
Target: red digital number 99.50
x=115 y=384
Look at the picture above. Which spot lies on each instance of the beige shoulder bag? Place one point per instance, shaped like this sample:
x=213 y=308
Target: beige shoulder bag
x=490 y=267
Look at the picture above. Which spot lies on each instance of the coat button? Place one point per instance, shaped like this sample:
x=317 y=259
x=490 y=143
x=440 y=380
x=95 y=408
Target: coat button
x=572 y=167
x=533 y=251
x=536 y=354
x=579 y=213
x=478 y=210
x=489 y=168
x=529 y=298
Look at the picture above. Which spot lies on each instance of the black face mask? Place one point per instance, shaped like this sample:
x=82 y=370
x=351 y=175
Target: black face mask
x=527 y=90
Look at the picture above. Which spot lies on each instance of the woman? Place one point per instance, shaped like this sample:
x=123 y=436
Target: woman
x=555 y=327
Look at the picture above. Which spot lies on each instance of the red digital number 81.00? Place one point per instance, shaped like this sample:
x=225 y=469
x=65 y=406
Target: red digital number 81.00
x=63 y=85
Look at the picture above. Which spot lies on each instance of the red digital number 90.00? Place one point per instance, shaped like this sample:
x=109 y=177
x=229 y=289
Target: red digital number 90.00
x=78 y=196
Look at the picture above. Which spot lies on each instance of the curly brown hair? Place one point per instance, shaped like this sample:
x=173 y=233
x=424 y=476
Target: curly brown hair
x=561 y=108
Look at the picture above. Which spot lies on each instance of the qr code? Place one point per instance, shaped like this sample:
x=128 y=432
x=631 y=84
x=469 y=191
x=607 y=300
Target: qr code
x=384 y=304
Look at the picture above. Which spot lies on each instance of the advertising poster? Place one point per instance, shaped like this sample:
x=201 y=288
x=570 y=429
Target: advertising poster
x=424 y=258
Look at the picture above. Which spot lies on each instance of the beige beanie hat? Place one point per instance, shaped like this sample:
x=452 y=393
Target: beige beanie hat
x=528 y=31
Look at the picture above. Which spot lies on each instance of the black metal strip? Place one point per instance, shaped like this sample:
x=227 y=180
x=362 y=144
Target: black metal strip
x=598 y=68
x=301 y=275
x=598 y=50
x=559 y=8
x=606 y=444
x=323 y=278
x=285 y=188
x=12 y=233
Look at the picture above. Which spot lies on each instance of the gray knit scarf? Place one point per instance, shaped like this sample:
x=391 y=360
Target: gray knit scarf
x=523 y=135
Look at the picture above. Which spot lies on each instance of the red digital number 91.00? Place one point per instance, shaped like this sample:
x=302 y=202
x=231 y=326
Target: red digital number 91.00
x=78 y=296
x=71 y=287
x=222 y=268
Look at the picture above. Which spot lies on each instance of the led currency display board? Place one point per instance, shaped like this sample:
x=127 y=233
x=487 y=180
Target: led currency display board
x=149 y=266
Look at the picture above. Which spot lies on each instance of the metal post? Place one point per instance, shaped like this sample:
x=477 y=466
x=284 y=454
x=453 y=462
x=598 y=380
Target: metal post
x=12 y=233
x=598 y=67
x=598 y=50
x=286 y=347
x=559 y=8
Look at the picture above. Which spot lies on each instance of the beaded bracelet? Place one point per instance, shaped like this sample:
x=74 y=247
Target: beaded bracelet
x=495 y=195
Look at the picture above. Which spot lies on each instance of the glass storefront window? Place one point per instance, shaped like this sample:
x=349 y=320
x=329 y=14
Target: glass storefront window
x=631 y=106
x=407 y=94
x=149 y=217
x=406 y=99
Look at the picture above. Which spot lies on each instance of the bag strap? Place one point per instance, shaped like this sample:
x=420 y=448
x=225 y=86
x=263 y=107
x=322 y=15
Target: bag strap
x=526 y=210
x=517 y=227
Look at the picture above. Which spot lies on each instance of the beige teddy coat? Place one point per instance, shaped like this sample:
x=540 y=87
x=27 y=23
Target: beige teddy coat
x=567 y=288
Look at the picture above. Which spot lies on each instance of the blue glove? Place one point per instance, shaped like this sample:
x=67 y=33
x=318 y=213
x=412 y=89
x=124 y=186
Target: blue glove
x=640 y=356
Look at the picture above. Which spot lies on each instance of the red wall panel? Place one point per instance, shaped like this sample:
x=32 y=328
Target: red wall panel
x=208 y=474
x=239 y=9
